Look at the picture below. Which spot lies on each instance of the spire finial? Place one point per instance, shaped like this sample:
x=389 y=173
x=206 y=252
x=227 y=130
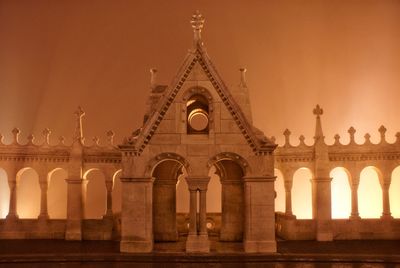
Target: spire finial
x=318 y=111
x=197 y=22
x=243 y=76
x=78 y=135
x=153 y=77
x=319 y=135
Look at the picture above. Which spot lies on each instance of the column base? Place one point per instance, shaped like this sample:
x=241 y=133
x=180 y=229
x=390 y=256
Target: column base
x=43 y=217
x=259 y=246
x=355 y=217
x=386 y=217
x=198 y=243
x=136 y=246
x=12 y=217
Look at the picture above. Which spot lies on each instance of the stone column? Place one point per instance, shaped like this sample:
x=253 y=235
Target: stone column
x=386 y=214
x=75 y=190
x=198 y=242
x=193 y=212
x=354 y=200
x=12 y=209
x=288 y=198
x=259 y=235
x=322 y=207
x=44 y=215
x=203 y=213
x=109 y=187
x=137 y=215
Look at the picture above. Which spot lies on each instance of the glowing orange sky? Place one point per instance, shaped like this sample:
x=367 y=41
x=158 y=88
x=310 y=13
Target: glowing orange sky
x=56 y=55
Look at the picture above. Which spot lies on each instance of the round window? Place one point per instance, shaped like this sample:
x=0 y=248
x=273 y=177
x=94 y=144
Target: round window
x=198 y=119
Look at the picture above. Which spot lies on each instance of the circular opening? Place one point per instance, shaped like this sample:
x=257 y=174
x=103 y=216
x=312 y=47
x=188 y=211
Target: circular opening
x=198 y=119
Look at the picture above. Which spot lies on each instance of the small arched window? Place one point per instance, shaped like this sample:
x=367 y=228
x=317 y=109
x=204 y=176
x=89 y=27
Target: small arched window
x=197 y=115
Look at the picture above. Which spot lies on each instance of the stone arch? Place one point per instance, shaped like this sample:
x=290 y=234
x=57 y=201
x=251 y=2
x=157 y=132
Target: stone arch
x=4 y=194
x=165 y=170
x=370 y=193
x=231 y=168
x=279 y=186
x=394 y=193
x=116 y=193
x=340 y=193
x=302 y=193
x=57 y=193
x=28 y=193
x=95 y=199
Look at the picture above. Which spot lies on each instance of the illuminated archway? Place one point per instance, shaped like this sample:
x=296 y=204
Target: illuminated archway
x=116 y=193
x=28 y=194
x=340 y=193
x=369 y=194
x=280 y=191
x=182 y=194
x=302 y=194
x=96 y=194
x=214 y=192
x=4 y=194
x=57 y=194
x=394 y=193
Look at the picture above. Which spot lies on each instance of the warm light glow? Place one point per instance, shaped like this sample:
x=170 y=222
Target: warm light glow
x=301 y=194
x=28 y=194
x=57 y=194
x=96 y=195
x=116 y=193
x=369 y=194
x=280 y=191
x=214 y=192
x=341 y=194
x=394 y=193
x=182 y=194
x=4 y=194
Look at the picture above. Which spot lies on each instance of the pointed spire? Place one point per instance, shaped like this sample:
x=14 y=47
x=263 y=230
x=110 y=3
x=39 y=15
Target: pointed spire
x=153 y=77
x=78 y=135
x=319 y=135
x=197 y=22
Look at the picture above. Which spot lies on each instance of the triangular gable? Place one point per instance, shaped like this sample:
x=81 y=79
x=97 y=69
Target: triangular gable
x=254 y=137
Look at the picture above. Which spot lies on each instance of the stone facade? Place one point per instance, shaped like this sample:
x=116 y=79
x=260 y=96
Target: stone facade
x=190 y=126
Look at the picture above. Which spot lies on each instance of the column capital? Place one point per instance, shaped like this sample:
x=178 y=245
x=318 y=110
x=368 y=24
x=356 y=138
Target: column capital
x=198 y=182
x=259 y=178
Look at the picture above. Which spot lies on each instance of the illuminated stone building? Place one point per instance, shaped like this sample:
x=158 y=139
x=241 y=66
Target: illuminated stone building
x=194 y=125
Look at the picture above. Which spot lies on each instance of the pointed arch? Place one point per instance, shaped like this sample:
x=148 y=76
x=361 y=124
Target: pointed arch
x=302 y=193
x=4 y=194
x=340 y=193
x=370 y=193
x=96 y=194
x=57 y=194
x=394 y=193
x=280 y=191
x=28 y=193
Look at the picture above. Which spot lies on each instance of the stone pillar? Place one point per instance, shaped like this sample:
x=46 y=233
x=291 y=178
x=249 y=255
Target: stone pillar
x=288 y=197
x=137 y=215
x=75 y=191
x=321 y=191
x=259 y=234
x=12 y=209
x=198 y=242
x=354 y=200
x=44 y=215
x=109 y=187
x=386 y=214
x=193 y=212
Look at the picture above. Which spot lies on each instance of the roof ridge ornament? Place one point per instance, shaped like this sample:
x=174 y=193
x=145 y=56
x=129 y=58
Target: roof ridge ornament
x=78 y=135
x=197 y=22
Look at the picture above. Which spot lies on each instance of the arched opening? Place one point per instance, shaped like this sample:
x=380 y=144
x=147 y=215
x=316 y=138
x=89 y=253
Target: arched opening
x=28 y=194
x=232 y=199
x=57 y=194
x=116 y=193
x=280 y=191
x=165 y=176
x=302 y=194
x=214 y=189
x=96 y=194
x=369 y=194
x=340 y=193
x=197 y=115
x=4 y=194
x=394 y=193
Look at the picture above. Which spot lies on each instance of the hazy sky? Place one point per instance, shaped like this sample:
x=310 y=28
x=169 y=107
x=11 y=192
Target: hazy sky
x=343 y=55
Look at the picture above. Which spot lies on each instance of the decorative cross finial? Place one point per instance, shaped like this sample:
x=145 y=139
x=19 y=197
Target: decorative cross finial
x=197 y=22
x=318 y=111
x=78 y=135
x=243 y=76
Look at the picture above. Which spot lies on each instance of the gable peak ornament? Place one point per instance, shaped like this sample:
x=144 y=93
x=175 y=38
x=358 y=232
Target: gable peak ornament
x=197 y=22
